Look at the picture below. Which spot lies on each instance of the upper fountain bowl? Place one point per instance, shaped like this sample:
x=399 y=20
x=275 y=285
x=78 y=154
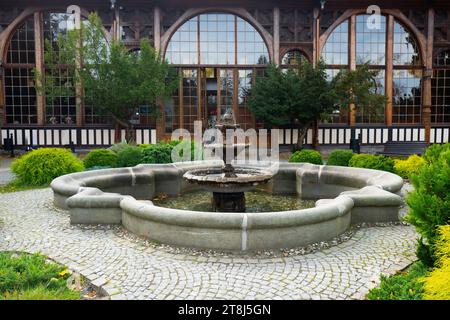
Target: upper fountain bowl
x=215 y=180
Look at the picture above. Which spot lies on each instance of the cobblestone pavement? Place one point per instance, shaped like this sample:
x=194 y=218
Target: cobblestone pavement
x=128 y=270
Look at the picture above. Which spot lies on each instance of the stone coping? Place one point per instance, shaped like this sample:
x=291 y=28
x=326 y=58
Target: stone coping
x=348 y=195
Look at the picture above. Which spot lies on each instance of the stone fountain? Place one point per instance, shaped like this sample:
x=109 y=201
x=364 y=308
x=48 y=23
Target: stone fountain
x=229 y=183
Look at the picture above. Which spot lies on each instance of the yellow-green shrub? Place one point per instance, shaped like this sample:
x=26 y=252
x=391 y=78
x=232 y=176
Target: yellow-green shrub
x=41 y=166
x=406 y=168
x=437 y=283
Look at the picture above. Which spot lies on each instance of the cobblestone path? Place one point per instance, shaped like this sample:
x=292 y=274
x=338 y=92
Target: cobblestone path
x=127 y=269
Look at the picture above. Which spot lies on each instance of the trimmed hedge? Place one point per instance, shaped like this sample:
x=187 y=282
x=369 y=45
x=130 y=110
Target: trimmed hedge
x=157 y=153
x=368 y=161
x=100 y=158
x=340 y=158
x=307 y=156
x=39 y=167
x=129 y=156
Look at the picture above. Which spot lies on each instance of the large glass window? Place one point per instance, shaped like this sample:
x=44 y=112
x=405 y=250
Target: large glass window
x=440 y=84
x=407 y=96
x=217 y=39
x=335 y=51
x=190 y=98
x=370 y=43
x=370 y=47
x=20 y=95
x=292 y=58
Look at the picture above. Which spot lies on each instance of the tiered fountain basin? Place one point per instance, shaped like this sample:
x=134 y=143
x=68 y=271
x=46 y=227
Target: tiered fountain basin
x=345 y=196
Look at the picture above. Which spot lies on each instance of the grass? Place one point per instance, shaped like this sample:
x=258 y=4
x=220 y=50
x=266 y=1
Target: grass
x=16 y=185
x=32 y=277
x=406 y=285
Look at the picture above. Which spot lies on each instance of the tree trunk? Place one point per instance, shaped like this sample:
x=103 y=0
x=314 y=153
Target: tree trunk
x=301 y=133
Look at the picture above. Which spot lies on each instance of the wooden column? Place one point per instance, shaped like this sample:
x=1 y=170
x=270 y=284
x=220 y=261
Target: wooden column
x=426 y=105
x=157 y=29
x=276 y=35
x=316 y=58
x=352 y=61
x=316 y=35
x=39 y=56
x=389 y=84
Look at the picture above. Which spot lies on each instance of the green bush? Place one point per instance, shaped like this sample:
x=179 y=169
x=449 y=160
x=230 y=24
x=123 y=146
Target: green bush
x=307 y=156
x=100 y=158
x=30 y=276
x=118 y=147
x=430 y=203
x=157 y=153
x=406 y=168
x=41 y=166
x=434 y=151
x=437 y=283
x=129 y=156
x=377 y=162
x=403 y=286
x=339 y=158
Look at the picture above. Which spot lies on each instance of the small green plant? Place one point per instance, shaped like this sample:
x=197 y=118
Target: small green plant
x=157 y=153
x=429 y=204
x=100 y=158
x=412 y=165
x=39 y=167
x=340 y=157
x=406 y=285
x=307 y=156
x=31 y=277
x=129 y=156
x=368 y=161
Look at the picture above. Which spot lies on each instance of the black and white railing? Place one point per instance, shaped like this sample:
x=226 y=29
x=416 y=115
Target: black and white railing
x=79 y=137
x=368 y=135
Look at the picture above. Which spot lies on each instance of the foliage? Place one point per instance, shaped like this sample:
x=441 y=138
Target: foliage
x=157 y=153
x=403 y=286
x=359 y=88
x=434 y=151
x=429 y=203
x=297 y=98
x=100 y=158
x=293 y=98
x=406 y=168
x=377 y=162
x=129 y=156
x=117 y=147
x=437 y=283
x=308 y=156
x=114 y=81
x=340 y=158
x=41 y=166
x=25 y=276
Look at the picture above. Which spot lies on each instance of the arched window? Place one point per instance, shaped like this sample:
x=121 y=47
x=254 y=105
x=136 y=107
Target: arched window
x=217 y=39
x=440 y=84
x=20 y=95
x=371 y=47
x=292 y=58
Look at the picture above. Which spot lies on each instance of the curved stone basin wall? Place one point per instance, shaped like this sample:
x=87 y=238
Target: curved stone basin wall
x=121 y=196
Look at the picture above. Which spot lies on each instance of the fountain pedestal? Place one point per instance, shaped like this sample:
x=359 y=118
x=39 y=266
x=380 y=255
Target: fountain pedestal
x=228 y=202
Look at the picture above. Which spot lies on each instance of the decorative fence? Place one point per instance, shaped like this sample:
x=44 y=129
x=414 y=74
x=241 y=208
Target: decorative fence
x=86 y=137
x=369 y=135
x=79 y=137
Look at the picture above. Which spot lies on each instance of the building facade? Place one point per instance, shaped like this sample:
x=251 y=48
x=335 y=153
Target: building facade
x=220 y=48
